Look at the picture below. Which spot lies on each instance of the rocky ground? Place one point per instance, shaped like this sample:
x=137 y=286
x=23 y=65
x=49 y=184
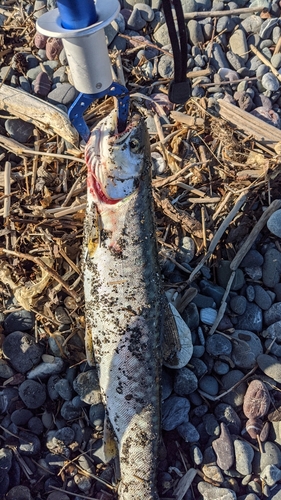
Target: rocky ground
x=216 y=185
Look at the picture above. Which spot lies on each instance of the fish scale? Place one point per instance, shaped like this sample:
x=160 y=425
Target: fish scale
x=123 y=298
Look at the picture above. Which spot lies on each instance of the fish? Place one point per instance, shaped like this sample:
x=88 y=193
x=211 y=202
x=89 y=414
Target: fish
x=124 y=297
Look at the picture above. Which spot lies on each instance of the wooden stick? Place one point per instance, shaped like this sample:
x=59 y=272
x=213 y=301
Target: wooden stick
x=265 y=61
x=275 y=205
x=7 y=190
x=217 y=236
x=221 y=13
x=39 y=262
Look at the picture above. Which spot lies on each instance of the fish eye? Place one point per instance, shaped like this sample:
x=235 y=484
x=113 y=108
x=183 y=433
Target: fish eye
x=134 y=145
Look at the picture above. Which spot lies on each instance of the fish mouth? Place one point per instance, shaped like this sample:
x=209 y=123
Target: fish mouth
x=112 y=171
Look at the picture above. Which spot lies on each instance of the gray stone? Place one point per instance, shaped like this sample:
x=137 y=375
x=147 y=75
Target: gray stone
x=218 y=59
x=210 y=492
x=32 y=393
x=188 y=432
x=246 y=349
x=188 y=6
x=270 y=366
x=21 y=417
x=29 y=444
x=252 y=24
x=252 y=258
x=252 y=318
x=22 y=351
x=273 y=331
x=220 y=367
x=62 y=94
x=217 y=344
x=211 y=425
x=274 y=221
x=224 y=272
x=174 y=412
x=199 y=367
x=267 y=27
x=271 y=456
x=234 y=60
x=273 y=314
x=244 y=455
x=161 y=36
x=262 y=299
x=276 y=63
x=238 y=44
x=270 y=82
x=238 y=304
x=136 y=21
x=185 y=382
x=209 y=385
x=69 y=411
x=166 y=66
x=191 y=316
x=227 y=415
x=35 y=425
x=86 y=384
x=271 y=474
x=236 y=397
x=250 y=293
x=195 y=32
x=6 y=370
x=212 y=290
x=255 y=272
x=64 y=389
x=19 y=130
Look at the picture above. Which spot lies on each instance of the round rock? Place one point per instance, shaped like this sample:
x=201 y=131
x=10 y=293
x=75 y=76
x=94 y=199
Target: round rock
x=185 y=382
x=270 y=366
x=246 y=349
x=252 y=318
x=218 y=344
x=234 y=398
x=238 y=304
x=271 y=269
x=86 y=385
x=19 y=320
x=244 y=455
x=19 y=130
x=22 y=351
x=32 y=393
x=274 y=221
x=62 y=94
x=174 y=412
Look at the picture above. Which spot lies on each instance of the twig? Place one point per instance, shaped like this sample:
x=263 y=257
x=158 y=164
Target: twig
x=265 y=61
x=220 y=13
x=7 y=190
x=223 y=305
x=217 y=236
x=157 y=183
x=277 y=47
x=39 y=262
x=275 y=205
x=225 y=82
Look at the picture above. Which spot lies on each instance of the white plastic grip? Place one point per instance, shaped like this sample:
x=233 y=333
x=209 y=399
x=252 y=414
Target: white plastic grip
x=85 y=48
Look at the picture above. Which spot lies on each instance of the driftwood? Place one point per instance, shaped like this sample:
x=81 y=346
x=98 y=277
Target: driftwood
x=43 y=115
x=221 y=13
x=266 y=134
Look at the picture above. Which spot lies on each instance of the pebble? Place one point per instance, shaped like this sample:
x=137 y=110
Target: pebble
x=32 y=393
x=188 y=432
x=217 y=344
x=271 y=474
x=42 y=84
x=209 y=385
x=29 y=444
x=185 y=382
x=244 y=455
x=271 y=270
x=262 y=299
x=238 y=304
x=175 y=411
x=270 y=82
x=252 y=316
x=238 y=44
x=63 y=94
x=270 y=366
x=227 y=415
x=195 y=32
x=21 y=417
x=273 y=314
x=271 y=455
x=86 y=385
x=274 y=221
x=22 y=351
x=252 y=258
x=224 y=272
x=210 y=492
x=19 y=130
x=234 y=398
x=208 y=315
x=246 y=349
x=166 y=66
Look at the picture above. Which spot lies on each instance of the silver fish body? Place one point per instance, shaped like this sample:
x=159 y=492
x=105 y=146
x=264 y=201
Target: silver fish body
x=123 y=297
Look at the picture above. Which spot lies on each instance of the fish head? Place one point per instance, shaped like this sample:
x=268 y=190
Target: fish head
x=117 y=161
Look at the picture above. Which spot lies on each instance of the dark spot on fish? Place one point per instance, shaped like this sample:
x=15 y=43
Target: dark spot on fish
x=128 y=397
